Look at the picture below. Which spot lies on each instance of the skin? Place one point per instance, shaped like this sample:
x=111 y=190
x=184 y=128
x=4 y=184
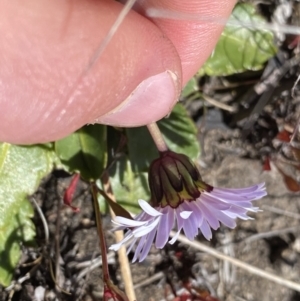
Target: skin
x=46 y=89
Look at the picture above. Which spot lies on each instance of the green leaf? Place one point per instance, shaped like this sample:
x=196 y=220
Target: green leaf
x=240 y=48
x=84 y=151
x=21 y=170
x=128 y=186
x=180 y=134
x=189 y=88
x=141 y=148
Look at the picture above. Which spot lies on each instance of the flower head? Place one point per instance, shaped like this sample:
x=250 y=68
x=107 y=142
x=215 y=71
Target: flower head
x=181 y=200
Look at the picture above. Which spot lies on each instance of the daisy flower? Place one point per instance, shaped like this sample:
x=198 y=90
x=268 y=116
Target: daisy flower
x=181 y=200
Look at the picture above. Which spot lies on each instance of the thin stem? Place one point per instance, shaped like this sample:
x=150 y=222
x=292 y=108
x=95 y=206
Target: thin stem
x=157 y=137
x=100 y=233
x=57 y=248
x=108 y=284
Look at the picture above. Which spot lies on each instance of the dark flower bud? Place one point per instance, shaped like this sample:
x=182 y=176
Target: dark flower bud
x=174 y=178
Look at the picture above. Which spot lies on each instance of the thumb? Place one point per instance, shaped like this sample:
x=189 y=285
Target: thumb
x=46 y=45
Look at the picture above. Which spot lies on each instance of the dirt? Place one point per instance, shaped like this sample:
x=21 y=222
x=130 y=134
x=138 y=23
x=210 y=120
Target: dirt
x=178 y=265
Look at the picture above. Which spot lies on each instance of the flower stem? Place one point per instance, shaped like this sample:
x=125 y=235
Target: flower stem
x=100 y=232
x=109 y=287
x=157 y=137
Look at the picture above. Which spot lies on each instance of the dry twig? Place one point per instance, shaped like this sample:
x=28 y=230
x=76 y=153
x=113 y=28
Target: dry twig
x=219 y=104
x=43 y=219
x=123 y=259
x=151 y=279
x=245 y=266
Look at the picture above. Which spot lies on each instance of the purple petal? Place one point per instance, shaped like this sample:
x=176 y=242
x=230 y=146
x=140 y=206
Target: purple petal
x=184 y=223
x=204 y=213
x=225 y=219
x=139 y=248
x=205 y=229
x=131 y=245
x=241 y=191
x=191 y=225
x=230 y=198
x=189 y=229
x=179 y=219
x=215 y=201
x=198 y=215
x=209 y=215
x=147 y=245
x=259 y=194
x=164 y=228
x=236 y=211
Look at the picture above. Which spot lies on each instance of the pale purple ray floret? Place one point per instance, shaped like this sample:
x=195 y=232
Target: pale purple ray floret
x=153 y=225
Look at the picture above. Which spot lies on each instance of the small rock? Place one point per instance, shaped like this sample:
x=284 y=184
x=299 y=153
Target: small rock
x=39 y=293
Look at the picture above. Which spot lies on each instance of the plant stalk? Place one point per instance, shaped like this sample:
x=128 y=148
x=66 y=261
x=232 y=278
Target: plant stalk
x=157 y=137
x=108 y=284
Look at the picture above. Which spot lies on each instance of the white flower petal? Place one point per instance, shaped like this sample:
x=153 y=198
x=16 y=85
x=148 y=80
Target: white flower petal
x=117 y=246
x=143 y=230
x=123 y=221
x=172 y=241
x=185 y=214
x=148 y=208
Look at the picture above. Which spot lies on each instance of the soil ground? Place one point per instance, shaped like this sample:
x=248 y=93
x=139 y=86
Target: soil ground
x=271 y=242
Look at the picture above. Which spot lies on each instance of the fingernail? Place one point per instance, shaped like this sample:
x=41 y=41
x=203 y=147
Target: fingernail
x=153 y=99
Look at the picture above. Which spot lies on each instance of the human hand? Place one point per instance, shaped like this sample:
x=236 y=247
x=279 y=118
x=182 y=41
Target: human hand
x=47 y=44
